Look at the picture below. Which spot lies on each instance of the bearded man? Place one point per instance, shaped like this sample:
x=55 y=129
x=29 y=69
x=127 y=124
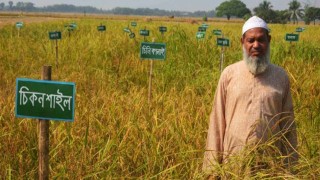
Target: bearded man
x=251 y=101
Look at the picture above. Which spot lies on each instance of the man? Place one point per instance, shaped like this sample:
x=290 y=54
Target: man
x=252 y=99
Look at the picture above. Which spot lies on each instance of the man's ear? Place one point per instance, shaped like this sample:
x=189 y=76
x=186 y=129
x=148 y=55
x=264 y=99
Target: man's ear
x=269 y=38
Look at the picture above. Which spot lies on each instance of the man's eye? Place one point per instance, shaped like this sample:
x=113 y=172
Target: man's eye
x=250 y=40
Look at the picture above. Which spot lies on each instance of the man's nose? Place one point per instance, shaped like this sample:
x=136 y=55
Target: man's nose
x=256 y=44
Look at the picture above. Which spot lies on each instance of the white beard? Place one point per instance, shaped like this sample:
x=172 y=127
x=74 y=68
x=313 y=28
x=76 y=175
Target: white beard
x=257 y=65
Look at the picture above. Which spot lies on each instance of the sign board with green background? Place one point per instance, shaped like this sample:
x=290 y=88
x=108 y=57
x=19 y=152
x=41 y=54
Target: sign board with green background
x=42 y=99
x=54 y=35
x=153 y=51
x=223 y=42
x=292 y=37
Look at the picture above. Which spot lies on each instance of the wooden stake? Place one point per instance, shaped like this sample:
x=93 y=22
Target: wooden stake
x=150 y=82
x=44 y=136
x=221 y=59
x=56 y=54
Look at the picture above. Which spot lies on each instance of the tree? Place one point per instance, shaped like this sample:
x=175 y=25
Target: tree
x=311 y=14
x=264 y=11
x=10 y=4
x=20 y=6
x=232 y=8
x=29 y=6
x=2 y=6
x=282 y=16
x=295 y=11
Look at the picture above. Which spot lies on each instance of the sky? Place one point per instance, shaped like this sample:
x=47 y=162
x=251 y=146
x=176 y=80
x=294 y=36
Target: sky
x=180 y=5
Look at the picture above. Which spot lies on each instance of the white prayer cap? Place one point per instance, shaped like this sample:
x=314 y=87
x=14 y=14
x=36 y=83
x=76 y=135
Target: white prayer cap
x=254 y=22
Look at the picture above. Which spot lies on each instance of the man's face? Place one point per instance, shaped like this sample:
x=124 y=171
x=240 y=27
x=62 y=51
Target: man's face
x=256 y=50
x=255 y=42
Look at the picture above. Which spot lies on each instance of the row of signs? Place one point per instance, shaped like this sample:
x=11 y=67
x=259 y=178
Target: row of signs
x=54 y=100
x=220 y=41
x=292 y=37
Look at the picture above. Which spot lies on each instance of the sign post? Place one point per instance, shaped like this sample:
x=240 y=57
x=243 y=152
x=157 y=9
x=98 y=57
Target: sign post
x=19 y=25
x=200 y=35
x=131 y=34
x=144 y=32
x=70 y=27
x=162 y=29
x=133 y=24
x=202 y=29
x=292 y=37
x=55 y=36
x=44 y=99
x=222 y=42
x=44 y=136
x=299 y=29
x=101 y=28
x=152 y=51
x=217 y=32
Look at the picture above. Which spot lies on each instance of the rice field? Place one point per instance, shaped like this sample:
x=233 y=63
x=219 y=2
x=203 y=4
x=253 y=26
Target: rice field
x=116 y=134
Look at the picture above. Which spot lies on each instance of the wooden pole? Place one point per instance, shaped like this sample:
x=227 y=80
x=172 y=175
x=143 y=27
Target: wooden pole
x=44 y=136
x=57 y=53
x=221 y=59
x=150 y=82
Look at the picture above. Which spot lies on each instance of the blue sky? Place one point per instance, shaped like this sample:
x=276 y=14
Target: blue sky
x=181 y=5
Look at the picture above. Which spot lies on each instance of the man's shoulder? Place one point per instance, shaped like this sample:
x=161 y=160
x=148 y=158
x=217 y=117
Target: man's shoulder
x=277 y=70
x=235 y=67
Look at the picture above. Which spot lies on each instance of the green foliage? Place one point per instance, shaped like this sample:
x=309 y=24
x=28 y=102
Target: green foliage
x=311 y=14
x=264 y=11
x=205 y=18
x=295 y=11
x=232 y=8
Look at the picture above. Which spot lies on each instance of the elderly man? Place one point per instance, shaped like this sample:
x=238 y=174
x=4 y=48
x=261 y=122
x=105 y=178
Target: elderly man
x=252 y=99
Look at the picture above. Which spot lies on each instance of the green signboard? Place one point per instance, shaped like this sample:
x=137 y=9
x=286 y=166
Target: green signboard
x=144 y=32
x=132 y=35
x=162 y=29
x=101 y=28
x=223 y=42
x=202 y=29
x=292 y=37
x=41 y=99
x=19 y=24
x=205 y=25
x=299 y=29
x=54 y=35
x=127 y=30
x=217 y=32
x=153 y=51
x=200 y=35
x=133 y=24
x=71 y=26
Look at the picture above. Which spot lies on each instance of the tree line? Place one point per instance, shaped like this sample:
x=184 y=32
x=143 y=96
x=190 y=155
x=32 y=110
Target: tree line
x=228 y=9
x=30 y=7
x=295 y=12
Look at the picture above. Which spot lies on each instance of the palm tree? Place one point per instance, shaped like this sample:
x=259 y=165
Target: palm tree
x=265 y=5
x=295 y=11
x=264 y=11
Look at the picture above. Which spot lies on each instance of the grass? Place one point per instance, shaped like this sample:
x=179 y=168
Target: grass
x=114 y=134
